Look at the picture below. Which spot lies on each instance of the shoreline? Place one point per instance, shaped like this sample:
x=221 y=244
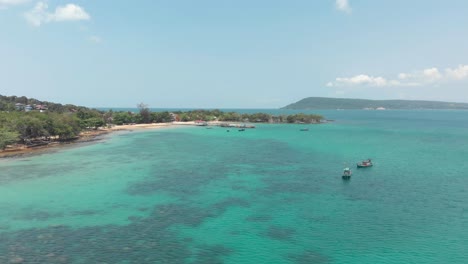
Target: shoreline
x=89 y=136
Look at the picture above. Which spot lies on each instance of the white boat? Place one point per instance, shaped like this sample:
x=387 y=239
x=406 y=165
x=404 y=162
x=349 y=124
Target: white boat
x=365 y=163
x=347 y=174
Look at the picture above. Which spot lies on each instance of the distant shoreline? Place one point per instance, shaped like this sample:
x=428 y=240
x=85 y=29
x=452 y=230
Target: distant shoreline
x=328 y=103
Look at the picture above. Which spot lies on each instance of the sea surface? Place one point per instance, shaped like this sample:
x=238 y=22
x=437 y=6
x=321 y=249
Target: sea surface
x=273 y=194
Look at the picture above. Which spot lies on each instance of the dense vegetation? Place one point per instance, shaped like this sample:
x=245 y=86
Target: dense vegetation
x=212 y=115
x=65 y=122
x=343 y=103
x=7 y=103
x=59 y=122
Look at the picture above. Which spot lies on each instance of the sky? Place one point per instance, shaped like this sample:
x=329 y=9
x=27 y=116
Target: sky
x=232 y=53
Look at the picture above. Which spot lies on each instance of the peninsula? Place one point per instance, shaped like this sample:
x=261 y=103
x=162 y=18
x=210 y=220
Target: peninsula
x=346 y=103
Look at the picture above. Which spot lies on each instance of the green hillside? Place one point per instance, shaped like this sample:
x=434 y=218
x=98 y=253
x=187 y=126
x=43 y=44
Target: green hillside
x=344 y=103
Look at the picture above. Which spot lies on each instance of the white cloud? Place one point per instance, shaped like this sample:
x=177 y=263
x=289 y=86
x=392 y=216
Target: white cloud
x=6 y=3
x=343 y=5
x=361 y=79
x=37 y=15
x=394 y=83
x=403 y=76
x=432 y=74
x=70 y=12
x=458 y=73
x=429 y=76
x=426 y=76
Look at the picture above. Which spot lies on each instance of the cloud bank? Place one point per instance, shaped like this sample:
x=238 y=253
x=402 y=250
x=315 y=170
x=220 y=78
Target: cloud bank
x=429 y=76
x=39 y=14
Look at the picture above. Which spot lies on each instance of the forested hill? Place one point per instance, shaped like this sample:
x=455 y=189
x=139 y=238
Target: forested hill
x=344 y=103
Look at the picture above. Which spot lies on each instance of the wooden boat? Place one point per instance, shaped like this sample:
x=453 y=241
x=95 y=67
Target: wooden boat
x=365 y=163
x=304 y=129
x=201 y=123
x=346 y=174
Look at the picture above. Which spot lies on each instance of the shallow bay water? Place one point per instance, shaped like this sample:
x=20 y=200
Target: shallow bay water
x=272 y=194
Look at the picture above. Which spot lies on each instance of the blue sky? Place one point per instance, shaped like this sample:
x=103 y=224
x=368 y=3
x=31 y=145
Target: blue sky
x=232 y=54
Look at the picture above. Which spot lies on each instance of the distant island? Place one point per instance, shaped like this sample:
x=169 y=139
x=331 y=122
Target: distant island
x=345 y=103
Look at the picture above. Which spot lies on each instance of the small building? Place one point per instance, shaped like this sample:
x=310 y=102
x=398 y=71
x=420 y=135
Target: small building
x=41 y=108
x=19 y=106
x=28 y=108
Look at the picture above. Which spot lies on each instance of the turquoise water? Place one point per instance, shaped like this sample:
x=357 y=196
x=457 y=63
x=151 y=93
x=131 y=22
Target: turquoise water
x=273 y=194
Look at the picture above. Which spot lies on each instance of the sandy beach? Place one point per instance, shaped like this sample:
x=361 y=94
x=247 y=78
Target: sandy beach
x=138 y=126
x=20 y=150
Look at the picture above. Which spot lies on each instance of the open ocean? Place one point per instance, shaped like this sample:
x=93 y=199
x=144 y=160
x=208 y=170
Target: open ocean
x=272 y=194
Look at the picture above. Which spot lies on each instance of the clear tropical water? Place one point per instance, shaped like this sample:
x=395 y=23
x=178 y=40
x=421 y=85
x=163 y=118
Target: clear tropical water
x=273 y=194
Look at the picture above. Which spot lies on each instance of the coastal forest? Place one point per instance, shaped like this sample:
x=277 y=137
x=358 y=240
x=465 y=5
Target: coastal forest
x=31 y=122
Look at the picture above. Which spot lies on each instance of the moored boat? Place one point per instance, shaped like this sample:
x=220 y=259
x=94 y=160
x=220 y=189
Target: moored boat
x=347 y=174
x=201 y=123
x=365 y=163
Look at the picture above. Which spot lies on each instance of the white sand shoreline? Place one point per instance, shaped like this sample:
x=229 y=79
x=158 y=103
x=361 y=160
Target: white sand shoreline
x=91 y=136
